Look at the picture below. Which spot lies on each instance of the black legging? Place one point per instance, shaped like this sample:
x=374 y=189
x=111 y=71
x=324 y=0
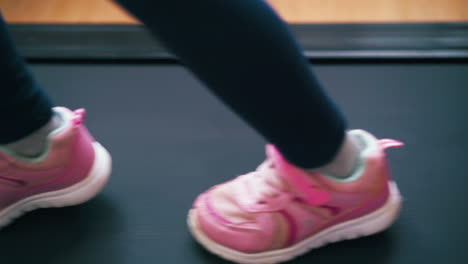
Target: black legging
x=244 y=54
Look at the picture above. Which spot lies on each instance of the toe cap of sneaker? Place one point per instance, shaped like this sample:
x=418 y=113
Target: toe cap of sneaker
x=247 y=237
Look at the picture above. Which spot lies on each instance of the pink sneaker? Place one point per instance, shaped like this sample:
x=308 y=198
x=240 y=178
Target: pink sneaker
x=279 y=211
x=73 y=170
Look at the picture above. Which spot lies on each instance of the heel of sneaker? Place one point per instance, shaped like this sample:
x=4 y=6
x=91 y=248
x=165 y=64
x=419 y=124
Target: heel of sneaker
x=76 y=194
x=88 y=188
x=369 y=224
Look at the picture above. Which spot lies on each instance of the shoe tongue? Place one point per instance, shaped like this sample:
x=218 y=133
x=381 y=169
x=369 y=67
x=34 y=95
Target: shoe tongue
x=301 y=182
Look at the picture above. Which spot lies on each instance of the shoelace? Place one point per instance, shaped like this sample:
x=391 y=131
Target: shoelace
x=267 y=181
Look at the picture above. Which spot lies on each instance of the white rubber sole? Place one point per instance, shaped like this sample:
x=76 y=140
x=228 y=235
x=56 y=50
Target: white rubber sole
x=369 y=224
x=73 y=195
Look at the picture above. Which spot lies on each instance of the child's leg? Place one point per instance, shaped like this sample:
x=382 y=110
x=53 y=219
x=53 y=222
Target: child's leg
x=247 y=56
x=47 y=157
x=25 y=109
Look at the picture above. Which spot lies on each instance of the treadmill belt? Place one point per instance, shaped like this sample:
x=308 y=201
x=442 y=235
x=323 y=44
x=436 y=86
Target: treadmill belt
x=171 y=139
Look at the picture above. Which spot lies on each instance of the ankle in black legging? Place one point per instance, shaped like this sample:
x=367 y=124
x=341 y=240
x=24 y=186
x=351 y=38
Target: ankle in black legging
x=241 y=50
x=247 y=56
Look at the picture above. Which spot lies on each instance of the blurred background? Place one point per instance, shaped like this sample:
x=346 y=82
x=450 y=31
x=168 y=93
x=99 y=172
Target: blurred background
x=294 y=11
